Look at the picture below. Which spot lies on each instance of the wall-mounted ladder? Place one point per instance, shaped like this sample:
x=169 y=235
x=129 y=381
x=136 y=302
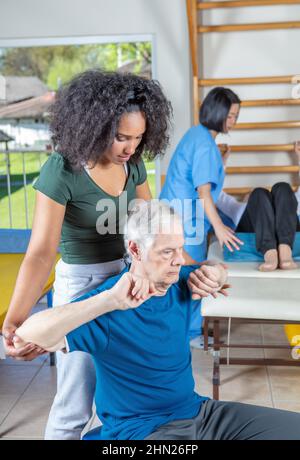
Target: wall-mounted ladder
x=199 y=82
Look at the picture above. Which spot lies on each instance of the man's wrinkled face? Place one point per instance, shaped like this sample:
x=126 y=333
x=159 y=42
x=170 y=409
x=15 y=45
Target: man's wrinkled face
x=163 y=260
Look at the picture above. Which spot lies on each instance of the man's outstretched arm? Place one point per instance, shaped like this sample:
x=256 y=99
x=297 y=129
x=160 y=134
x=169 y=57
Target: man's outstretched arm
x=48 y=328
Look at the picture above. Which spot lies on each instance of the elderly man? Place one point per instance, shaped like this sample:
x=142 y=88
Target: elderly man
x=135 y=326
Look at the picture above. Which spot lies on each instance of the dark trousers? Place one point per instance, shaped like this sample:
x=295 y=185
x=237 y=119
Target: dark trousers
x=272 y=216
x=220 y=420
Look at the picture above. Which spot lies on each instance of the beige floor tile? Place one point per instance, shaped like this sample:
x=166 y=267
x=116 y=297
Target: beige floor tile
x=239 y=383
x=201 y=358
x=293 y=406
x=203 y=382
x=27 y=419
x=243 y=353
x=278 y=353
x=257 y=402
x=29 y=415
x=285 y=383
x=15 y=379
x=6 y=405
x=274 y=333
x=243 y=333
x=42 y=386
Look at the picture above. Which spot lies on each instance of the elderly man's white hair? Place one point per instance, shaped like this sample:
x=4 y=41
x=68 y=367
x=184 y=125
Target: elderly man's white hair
x=147 y=219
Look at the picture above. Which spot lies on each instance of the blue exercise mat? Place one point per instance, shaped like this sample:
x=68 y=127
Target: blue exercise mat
x=248 y=251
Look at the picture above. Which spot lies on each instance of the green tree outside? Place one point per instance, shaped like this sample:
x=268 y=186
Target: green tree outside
x=56 y=65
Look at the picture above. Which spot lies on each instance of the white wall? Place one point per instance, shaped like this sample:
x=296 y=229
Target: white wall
x=256 y=53
x=165 y=19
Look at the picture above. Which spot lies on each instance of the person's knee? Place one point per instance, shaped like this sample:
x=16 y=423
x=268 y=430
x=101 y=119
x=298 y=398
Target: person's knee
x=281 y=187
x=258 y=194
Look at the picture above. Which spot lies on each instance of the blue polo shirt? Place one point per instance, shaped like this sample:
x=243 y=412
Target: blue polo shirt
x=143 y=362
x=195 y=162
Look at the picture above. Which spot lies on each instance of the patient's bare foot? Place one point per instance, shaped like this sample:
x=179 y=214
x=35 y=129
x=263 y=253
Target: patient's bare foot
x=271 y=261
x=285 y=257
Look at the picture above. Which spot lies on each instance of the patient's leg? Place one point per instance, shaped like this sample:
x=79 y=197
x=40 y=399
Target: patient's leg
x=259 y=218
x=286 y=222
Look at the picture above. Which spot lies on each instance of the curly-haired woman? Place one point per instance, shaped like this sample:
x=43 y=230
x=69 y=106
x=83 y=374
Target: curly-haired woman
x=101 y=123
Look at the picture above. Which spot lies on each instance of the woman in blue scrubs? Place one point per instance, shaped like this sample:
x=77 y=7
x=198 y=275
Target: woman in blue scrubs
x=195 y=179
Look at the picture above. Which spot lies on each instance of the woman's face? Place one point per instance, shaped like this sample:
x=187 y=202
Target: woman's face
x=129 y=134
x=232 y=117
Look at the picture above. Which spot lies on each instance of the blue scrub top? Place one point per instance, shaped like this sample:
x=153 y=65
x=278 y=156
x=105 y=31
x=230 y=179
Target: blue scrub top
x=196 y=161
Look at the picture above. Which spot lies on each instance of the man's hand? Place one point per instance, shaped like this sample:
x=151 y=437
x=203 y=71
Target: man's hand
x=27 y=352
x=208 y=280
x=131 y=291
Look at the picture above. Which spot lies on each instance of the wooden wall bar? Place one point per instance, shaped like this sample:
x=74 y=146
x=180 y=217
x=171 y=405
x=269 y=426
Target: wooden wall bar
x=253 y=26
x=268 y=125
x=245 y=81
x=199 y=81
x=243 y=3
x=258 y=148
x=262 y=169
x=269 y=102
x=245 y=190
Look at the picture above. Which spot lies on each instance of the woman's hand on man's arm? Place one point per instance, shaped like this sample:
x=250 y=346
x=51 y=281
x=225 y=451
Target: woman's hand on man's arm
x=208 y=279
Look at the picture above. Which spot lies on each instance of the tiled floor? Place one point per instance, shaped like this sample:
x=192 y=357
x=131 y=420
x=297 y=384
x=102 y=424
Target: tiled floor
x=27 y=389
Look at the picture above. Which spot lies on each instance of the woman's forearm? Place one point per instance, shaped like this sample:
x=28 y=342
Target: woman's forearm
x=48 y=328
x=209 y=206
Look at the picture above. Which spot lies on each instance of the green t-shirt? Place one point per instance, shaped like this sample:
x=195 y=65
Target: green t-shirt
x=92 y=229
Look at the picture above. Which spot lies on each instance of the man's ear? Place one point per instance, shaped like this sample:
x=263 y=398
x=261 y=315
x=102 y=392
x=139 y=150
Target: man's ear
x=134 y=250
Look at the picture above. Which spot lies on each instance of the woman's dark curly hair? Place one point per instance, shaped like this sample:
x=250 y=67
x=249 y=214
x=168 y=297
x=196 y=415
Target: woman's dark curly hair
x=85 y=116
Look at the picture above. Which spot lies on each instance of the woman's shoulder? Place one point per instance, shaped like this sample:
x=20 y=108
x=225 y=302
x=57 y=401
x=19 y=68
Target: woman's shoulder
x=57 y=166
x=57 y=159
x=197 y=134
x=56 y=179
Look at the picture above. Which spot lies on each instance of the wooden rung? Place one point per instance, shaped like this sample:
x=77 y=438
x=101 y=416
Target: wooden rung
x=245 y=81
x=245 y=190
x=269 y=102
x=244 y=27
x=268 y=125
x=242 y=3
x=258 y=148
x=262 y=169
